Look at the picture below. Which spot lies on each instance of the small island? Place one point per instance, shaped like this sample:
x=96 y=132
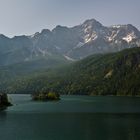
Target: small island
x=49 y=96
x=4 y=103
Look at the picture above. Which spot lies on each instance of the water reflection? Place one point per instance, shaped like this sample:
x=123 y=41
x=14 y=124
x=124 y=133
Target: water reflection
x=72 y=119
x=3 y=115
x=116 y=126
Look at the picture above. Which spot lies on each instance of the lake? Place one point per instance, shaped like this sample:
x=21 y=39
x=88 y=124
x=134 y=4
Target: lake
x=71 y=118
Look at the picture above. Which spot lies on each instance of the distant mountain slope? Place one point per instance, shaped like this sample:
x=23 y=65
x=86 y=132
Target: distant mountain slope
x=102 y=74
x=77 y=42
x=30 y=67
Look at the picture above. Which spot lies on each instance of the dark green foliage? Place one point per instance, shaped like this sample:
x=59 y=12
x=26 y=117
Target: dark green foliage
x=103 y=74
x=4 y=101
x=45 y=96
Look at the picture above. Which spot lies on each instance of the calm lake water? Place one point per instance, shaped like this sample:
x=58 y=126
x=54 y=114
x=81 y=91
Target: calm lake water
x=72 y=118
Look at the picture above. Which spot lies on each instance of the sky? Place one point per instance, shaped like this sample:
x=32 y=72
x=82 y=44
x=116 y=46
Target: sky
x=18 y=17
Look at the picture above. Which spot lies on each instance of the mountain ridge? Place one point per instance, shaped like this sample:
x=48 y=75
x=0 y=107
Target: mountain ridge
x=75 y=43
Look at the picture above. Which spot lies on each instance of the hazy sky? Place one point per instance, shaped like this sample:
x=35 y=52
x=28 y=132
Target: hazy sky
x=19 y=17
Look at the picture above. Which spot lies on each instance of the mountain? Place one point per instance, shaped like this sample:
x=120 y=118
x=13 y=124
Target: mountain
x=74 y=43
x=101 y=74
x=95 y=38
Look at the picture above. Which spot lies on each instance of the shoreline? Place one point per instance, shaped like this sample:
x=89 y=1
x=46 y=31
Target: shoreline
x=137 y=96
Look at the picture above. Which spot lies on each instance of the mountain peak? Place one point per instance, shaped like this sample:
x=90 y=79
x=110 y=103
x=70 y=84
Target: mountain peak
x=130 y=26
x=3 y=36
x=45 y=31
x=92 y=22
x=59 y=27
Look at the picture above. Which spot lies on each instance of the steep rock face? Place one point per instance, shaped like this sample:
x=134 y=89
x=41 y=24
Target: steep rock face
x=77 y=42
x=14 y=50
x=96 y=38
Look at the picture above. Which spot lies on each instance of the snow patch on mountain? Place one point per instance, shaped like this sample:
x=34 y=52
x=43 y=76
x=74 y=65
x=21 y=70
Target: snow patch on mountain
x=42 y=51
x=129 y=37
x=117 y=26
x=68 y=58
x=91 y=37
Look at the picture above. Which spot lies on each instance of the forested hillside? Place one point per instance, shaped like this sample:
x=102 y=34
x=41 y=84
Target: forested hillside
x=102 y=74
